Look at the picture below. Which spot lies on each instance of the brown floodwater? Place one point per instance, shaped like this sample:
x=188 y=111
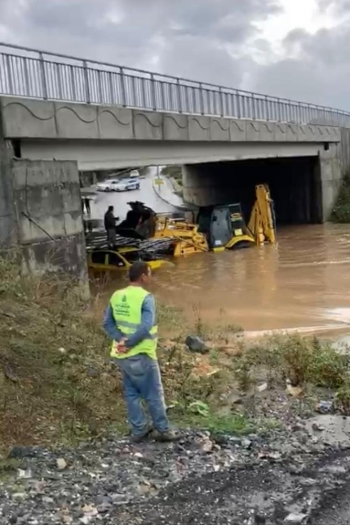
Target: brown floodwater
x=303 y=282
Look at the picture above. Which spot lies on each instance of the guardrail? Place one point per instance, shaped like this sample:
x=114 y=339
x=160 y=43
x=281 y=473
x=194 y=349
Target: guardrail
x=30 y=73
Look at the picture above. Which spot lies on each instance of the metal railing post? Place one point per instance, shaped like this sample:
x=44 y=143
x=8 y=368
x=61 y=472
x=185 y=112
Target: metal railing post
x=253 y=107
x=133 y=92
x=266 y=104
x=179 y=98
x=123 y=86
x=72 y=81
x=9 y=74
x=162 y=97
x=43 y=75
x=26 y=76
x=86 y=82
x=221 y=102
x=201 y=98
x=278 y=110
x=187 y=99
x=153 y=93
x=111 y=86
x=99 y=84
x=238 y=104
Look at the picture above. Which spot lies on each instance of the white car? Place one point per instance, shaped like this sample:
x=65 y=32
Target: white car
x=134 y=174
x=108 y=185
x=127 y=185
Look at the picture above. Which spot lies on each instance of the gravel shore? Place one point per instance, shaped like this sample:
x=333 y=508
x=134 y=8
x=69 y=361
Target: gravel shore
x=284 y=477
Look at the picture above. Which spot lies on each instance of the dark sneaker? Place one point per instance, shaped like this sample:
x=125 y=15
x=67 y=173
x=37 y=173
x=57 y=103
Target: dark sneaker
x=168 y=436
x=138 y=438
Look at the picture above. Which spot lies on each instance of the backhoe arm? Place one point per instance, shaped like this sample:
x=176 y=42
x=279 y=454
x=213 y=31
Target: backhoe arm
x=262 y=218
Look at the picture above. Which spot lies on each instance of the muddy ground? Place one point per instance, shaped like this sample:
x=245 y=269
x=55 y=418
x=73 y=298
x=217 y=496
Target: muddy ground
x=298 y=475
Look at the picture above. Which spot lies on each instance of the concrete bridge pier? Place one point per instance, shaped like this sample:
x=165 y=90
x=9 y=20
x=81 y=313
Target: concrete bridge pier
x=330 y=167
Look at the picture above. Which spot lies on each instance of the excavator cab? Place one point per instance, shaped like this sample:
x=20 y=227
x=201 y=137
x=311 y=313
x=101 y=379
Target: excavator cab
x=224 y=227
x=140 y=222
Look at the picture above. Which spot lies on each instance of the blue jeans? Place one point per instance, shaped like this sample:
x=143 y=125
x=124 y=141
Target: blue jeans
x=142 y=381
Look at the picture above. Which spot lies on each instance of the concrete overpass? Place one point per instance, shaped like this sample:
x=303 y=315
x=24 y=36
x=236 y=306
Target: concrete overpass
x=226 y=139
x=108 y=137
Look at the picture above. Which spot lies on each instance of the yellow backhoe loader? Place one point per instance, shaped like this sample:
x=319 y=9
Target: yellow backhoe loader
x=213 y=228
x=219 y=228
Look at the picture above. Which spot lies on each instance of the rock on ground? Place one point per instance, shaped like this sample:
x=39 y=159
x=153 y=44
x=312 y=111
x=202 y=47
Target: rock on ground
x=196 y=344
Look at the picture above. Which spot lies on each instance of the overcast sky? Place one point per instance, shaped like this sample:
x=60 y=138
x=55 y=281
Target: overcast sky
x=299 y=49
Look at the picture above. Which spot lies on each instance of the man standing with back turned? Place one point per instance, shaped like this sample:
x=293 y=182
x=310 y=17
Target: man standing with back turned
x=110 y=222
x=130 y=321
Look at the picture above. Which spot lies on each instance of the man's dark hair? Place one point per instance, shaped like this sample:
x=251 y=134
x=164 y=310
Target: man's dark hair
x=110 y=208
x=137 y=270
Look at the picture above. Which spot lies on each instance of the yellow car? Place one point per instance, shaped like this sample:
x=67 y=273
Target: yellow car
x=105 y=259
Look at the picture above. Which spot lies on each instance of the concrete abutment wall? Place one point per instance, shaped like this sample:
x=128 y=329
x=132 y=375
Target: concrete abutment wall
x=41 y=215
x=8 y=230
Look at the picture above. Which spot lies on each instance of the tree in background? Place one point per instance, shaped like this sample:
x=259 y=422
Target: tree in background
x=341 y=210
x=174 y=172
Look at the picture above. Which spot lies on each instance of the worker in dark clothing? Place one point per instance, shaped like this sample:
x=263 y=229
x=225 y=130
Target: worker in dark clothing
x=110 y=221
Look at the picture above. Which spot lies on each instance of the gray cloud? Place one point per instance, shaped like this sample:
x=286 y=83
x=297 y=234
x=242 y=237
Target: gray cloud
x=207 y=40
x=191 y=37
x=317 y=73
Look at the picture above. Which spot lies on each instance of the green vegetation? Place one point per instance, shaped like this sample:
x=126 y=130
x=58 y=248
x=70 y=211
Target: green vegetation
x=300 y=360
x=173 y=171
x=341 y=211
x=303 y=362
x=8 y=468
x=201 y=415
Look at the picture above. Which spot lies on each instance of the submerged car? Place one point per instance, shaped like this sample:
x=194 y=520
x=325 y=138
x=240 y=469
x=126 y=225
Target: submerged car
x=105 y=259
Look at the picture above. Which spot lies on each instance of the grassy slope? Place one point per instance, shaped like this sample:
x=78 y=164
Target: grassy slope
x=57 y=384
x=56 y=381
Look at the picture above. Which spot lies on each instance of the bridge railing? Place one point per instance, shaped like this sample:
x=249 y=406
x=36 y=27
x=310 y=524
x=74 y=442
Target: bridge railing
x=30 y=73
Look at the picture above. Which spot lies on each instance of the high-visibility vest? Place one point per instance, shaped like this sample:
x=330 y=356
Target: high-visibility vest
x=126 y=305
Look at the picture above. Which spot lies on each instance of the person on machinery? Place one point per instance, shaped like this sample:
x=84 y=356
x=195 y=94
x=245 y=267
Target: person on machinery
x=110 y=223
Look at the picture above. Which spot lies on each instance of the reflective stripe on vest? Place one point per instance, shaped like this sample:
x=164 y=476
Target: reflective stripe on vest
x=133 y=327
x=126 y=305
